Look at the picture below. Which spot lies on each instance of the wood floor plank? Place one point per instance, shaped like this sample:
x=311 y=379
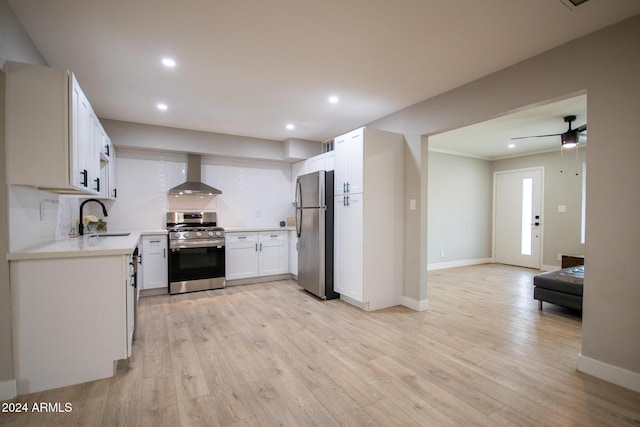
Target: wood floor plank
x=272 y=354
x=187 y=373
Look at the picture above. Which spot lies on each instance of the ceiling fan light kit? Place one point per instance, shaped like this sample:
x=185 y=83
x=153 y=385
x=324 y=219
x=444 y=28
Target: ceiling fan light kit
x=570 y=139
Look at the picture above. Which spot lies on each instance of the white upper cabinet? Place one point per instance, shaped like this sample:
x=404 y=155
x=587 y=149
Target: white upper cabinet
x=297 y=169
x=316 y=163
x=107 y=166
x=349 y=162
x=52 y=133
x=330 y=160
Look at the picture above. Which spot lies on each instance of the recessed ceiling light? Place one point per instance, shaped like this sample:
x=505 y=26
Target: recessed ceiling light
x=162 y=107
x=290 y=126
x=168 y=62
x=512 y=145
x=334 y=99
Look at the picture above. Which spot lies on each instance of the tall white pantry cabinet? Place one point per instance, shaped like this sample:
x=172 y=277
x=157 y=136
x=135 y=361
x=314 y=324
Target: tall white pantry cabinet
x=369 y=199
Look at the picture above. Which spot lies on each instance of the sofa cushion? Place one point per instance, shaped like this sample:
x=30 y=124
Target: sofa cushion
x=567 y=280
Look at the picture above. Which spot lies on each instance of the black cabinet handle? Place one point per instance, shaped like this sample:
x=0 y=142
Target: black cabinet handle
x=106 y=150
x=115 y=193
x=85 y=175
x=97 y=180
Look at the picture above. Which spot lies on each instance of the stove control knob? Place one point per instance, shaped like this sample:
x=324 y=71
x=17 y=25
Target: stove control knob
x=210 y=233
x=177 y=235
x=185 y=235
x=198 y=234
x=218 y=233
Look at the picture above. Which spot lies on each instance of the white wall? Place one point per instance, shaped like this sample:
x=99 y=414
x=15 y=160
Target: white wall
x=459 y=210
x=15 y=45
x=460 y=206
x=150 y=137
x=608 y=73
x=562 y=186
x=254 y=193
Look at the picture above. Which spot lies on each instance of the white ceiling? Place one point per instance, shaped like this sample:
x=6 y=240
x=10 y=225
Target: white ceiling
x=490 y=139
x=249 y=67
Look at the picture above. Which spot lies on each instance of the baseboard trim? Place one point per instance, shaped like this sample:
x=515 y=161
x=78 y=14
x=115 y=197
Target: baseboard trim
x=459 y=263
x=261 y=279
x=610 y=373
x=414 y=304
x=153 y=292
x=8 y=390
x=547 y=267
x=361 y=305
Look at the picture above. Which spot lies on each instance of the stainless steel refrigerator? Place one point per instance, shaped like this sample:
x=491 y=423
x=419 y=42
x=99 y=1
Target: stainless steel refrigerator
x=314 y=225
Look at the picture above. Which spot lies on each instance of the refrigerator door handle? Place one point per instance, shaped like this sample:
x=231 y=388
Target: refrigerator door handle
x=298 y=208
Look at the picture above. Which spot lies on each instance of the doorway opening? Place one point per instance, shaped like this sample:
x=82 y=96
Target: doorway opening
x=460 y=217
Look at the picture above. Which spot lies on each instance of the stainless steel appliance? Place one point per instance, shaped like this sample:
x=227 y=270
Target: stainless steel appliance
x=196 y=252
x=194 y=184
x=314 y=225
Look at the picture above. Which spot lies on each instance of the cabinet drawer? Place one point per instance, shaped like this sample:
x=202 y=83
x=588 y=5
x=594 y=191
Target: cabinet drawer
x=272 y=236
x=154 y=242
x=239 y=238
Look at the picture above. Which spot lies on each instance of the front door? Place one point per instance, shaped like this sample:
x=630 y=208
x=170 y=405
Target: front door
x=518 y=217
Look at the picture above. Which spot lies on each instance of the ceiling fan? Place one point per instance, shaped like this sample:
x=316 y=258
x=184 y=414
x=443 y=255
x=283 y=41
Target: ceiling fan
x=568 y=139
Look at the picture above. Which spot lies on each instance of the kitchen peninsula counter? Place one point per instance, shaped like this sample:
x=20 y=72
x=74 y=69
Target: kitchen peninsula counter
x=84 y=246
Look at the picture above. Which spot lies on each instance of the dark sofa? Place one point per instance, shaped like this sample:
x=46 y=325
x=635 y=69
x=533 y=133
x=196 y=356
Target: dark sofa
x=561 y=287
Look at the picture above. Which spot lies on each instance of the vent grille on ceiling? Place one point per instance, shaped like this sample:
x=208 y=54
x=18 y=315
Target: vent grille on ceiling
x=573 y=3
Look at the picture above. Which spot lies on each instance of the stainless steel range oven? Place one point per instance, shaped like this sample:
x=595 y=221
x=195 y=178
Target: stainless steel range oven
x=196 y=252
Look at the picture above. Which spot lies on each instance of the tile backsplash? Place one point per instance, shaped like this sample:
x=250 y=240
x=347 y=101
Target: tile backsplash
x=254 y=194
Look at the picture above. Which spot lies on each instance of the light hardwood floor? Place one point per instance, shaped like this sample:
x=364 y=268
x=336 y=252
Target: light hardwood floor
x=270 y=354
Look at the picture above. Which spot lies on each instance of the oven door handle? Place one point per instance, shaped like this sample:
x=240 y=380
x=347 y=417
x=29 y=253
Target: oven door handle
x=188 y=244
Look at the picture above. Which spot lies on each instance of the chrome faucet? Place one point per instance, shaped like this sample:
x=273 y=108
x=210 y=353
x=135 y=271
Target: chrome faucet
x=81 y=225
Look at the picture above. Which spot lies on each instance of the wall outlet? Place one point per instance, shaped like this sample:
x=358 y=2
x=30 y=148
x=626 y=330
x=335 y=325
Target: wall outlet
x=441 y=253
x=559 y=257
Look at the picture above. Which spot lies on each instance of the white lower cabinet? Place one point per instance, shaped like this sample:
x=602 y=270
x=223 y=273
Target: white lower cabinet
x=73 y=318
x=255 y=254
x=274 y=253
x=241 y=255
x=154 y=262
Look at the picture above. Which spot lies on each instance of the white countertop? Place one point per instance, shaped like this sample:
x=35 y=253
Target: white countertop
x=84 y=246
x=250 y=229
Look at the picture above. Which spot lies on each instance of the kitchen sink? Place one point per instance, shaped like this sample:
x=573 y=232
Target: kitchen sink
x=109 y=234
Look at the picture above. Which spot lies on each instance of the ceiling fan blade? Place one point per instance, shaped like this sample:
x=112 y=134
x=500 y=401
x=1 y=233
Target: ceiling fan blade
x=581 y=128
x=537 y=136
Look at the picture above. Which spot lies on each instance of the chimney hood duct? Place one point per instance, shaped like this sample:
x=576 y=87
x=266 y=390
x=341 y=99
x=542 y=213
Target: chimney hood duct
x=194 y=185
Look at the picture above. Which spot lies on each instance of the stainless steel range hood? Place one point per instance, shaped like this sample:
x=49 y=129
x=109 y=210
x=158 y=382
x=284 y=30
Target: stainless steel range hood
x=194 y=185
